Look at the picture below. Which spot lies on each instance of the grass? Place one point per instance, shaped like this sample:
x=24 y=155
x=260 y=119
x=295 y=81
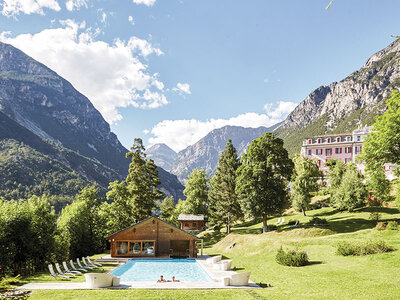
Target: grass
x=328 y=275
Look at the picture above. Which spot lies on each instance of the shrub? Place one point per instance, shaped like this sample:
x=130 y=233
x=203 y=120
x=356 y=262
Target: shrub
x=375 y=216
x=392 y=225
x=357 y=249
x=291 y=258
x=380 y=226
x=318 y=221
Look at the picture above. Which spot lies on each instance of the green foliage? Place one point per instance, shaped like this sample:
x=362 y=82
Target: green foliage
x=375 y=216
x=392 y=225
x=380 y=226
x=318 y=221
x=263 y=176
x=351 y=192
x=224 y=204
x=335 y=173
x=167 y=209
x=136 y=196
x=7 y=283
x=196 y=192
x=398 y=192
x=27 y=235
x=362 y=248
x=291 y=258
x=81 y=225
x=304 y=181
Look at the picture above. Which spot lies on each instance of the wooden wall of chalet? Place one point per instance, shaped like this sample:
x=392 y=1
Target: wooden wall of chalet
x=154 y=229
x=193 y=225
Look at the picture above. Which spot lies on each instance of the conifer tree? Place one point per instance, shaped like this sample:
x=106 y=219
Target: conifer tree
x=135 y=197
x=167 y=208
x=196 y=192
x=263 y=176
x=225 y=207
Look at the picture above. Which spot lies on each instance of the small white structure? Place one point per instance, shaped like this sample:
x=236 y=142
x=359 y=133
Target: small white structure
x=223 y=265
x=100 y=280
x=238 y=279
x=214 y=259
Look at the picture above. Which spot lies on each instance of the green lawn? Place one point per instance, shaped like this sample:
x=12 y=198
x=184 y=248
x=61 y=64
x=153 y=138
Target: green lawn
x=327 y=276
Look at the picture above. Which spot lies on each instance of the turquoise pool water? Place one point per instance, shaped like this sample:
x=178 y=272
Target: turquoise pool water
x=184 y=270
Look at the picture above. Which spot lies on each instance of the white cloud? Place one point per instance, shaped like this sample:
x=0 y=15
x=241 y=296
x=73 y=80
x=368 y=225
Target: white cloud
x=179 y=134
x=110 y=75
x=182 y=88
x=145 y=2
x=15 y=7
x=103 y=17
x=282 y=109
x=75 y=4
x=130 y=19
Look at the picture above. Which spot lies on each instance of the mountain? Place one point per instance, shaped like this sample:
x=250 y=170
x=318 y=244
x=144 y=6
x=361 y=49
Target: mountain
x=205 y=153
x=343 y=106
x=162 y=155
x=55 y=121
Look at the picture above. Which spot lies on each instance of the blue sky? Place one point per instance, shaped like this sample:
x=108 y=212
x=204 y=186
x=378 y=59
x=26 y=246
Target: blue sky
x=172 y=70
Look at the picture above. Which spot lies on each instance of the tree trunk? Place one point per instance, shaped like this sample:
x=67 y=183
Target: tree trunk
x=228 y=225
x=265 y=228
x=303 y=211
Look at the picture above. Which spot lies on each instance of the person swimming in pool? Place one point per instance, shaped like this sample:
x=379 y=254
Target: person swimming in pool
x=173 y=279
x=161 y=279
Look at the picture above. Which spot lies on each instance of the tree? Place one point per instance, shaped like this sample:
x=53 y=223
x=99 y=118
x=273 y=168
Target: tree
x=196 y=192
x=263 y=177
x=351 y=192
x=335 y=174
x=383 y=146
x=136 y=196
x=304 y=181
x=222 y=196
x=167 y=208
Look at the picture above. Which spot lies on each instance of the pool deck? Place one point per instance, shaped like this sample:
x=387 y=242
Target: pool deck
x=216 y=275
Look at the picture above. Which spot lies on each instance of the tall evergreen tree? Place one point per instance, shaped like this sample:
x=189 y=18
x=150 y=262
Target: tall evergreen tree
x=135 y=197
x=263 y=177
x=304 y=181
x=196 y=192
x=225 y=207
x=167 y=209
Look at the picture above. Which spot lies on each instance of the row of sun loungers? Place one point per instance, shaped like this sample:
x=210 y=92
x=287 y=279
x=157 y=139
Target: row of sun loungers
x=280 y=221
x=73 y=271
x=225 y=265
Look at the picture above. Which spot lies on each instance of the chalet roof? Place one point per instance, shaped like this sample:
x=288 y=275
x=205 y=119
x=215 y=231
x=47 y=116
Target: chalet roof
x=149 y=218
x=187 y=217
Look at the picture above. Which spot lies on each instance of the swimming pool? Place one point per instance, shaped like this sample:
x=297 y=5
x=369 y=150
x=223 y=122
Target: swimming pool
x=184 y=270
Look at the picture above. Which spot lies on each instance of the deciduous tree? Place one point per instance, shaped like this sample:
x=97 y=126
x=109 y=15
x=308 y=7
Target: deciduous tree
x=196 y=192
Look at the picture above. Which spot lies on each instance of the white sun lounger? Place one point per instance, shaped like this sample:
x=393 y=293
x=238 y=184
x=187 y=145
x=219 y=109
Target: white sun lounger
x=74 y=268
x=214 y=259
x=80 y=266
x=87 y=264
x=92 y=263
x=68 y=270
x=278 y=222
x=54 y=274
x=61 y=272
x=99 y=280
x=295 y=225
x=282 y=221
x=239 y=279
x=223 y=265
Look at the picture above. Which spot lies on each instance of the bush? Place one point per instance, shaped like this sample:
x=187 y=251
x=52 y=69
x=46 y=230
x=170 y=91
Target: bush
x=392 y=225
x=7 y=283
x=380 y=226
x=318 y=221
x=357 y=249
x=291 y=258
x=375 y=216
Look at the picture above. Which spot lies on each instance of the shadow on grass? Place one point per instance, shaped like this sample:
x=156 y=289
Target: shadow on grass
x=247 y=231
x=386 y=210
x=326 y=213
x=350 y=225
x=248 y=223
x=314 y=262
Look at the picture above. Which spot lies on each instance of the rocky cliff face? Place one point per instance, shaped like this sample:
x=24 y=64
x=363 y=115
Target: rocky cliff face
x=47 y=105
x=205 y=153
x=162 y=155
x=345 y=105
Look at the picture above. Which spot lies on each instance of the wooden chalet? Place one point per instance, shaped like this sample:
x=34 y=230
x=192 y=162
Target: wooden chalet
x=153 y=237
x=192 y=222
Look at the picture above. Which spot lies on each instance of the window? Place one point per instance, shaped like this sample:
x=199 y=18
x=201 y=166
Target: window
x=328 y=140
x=310 y=142
x=319 y=141
x=358 y=149
x=347 y=160
x=193 y=224
x=319 y=164
x=319 y=151
x=328 y=152
x=338 y=150
x=122 y=248
x=348 y=138
x=134 y=248
x=347 y=150
x=148 y=248
x=338 y=139
x=358 y=138
x=309 y=152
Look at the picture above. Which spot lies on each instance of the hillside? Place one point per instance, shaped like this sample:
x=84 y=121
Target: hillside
x=205 y=153
x=56 y=120
x=345 y=105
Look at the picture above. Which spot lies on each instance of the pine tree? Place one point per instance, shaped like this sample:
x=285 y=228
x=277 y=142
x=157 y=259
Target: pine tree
x=196 y=192
x=262 y=181
x=222 y=196
x=167 y=209
x=304 y=181
x=135 y=198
